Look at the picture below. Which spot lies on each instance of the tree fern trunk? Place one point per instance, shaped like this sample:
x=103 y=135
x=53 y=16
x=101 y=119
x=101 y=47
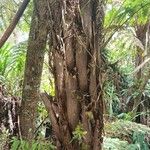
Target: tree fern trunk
x=76 y=39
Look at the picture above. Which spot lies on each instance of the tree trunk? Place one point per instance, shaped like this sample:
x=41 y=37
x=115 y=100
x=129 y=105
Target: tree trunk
x=76 y=34
x=14 y=22
x=33 y=68
x=142 y=79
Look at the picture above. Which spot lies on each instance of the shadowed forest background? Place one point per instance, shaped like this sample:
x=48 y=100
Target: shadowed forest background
x=74 y=74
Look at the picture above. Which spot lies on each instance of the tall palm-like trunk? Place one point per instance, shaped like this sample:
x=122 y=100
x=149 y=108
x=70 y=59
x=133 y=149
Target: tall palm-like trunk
x=33 y=68
x=140 y=103
x=76 y=39
x=141 y=36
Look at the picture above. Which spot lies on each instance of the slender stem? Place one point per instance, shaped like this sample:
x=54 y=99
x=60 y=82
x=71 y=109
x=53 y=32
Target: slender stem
x=14 y=22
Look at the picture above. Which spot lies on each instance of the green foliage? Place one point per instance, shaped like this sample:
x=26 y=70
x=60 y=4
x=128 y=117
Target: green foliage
x=121 y=22
x=125 y=130
x=122 y=49
x=139 y=8
x=139 y=142
x=4 y=138
x=111 y=98
x=114 y=144
x=12 y=58
x=34 y=145
x=126 y=12
x=42 y=117
x=8 y=11
x=125 y=116
x=47 y=81
x=126 y=135
x=79 y=133
x=117 y=144
x=42 y=111
x=5 y=60
x=24 y=23
x=12 y=65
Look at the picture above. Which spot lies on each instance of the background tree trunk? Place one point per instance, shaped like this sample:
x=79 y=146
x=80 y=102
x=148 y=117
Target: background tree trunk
x=33 y=68
x=140 y=103
x=76 y=49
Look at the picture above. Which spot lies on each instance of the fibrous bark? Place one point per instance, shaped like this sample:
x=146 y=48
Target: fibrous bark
x=76 y=39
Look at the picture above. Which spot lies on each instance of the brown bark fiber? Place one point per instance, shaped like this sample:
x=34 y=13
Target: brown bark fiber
x=76 y=39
